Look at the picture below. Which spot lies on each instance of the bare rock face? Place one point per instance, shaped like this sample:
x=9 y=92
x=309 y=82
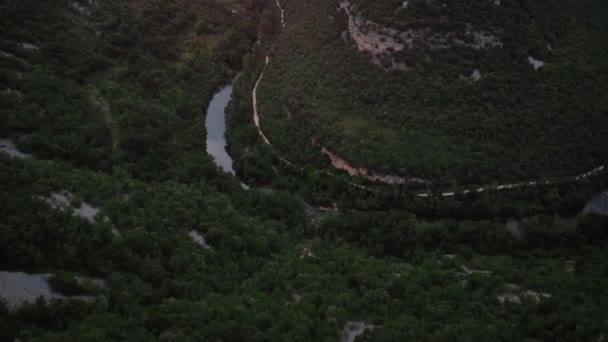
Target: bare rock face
x=18 y=288
x=352 y=329
x=65 y=201
x=8 y=146
x=536 y=63
x=62 y=201
x=515 y=294
x=382 y=42
x=198 y=239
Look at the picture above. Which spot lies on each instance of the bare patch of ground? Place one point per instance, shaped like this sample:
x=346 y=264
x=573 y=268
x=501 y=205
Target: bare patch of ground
x=307 y=253
x=536 y=63
x=198 y=239
x=28 y=46
x=352 y=329
x=514 y=294
x=8 y=146
x=471 y=271
x=476 y=75
x=18 y=288
x=116 y=232
x=371 y=175
x=63 y=201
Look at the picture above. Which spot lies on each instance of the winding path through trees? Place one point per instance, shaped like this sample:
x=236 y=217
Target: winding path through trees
x=342 y=164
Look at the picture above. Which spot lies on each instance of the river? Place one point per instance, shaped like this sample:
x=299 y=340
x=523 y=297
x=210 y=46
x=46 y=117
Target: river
x=216 y=128
x=215 y=124
x=216 y=147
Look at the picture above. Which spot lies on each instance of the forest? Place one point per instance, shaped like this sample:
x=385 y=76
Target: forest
x=110 y=195
x=458 y=114
x=127 y=76
x=272 y=274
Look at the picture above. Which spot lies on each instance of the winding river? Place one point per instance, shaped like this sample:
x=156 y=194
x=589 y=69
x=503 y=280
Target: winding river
x=216 y=147
x=216 y=128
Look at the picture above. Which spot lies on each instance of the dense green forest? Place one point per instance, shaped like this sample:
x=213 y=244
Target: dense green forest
x=273 y=275
x=117 y=83
x=436 y=120
x=108 y=100
x=292 y=84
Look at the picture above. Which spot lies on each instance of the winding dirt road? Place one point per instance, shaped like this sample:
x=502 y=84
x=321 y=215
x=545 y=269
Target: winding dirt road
x=342 y=164
x=254 y=96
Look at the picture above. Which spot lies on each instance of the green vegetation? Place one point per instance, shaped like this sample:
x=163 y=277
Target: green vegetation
x=433 y=121
x=111 y=105
x=386 y=268
x=293 y=85
x=117 y=83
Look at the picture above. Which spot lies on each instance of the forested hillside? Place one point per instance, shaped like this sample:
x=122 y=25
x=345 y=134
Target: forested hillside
x=117 y=83
x=454 y=92
x=115 y=224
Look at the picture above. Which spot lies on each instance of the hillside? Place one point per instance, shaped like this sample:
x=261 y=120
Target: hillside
x=118 y=222
x=113 y=83
x=457 y=93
